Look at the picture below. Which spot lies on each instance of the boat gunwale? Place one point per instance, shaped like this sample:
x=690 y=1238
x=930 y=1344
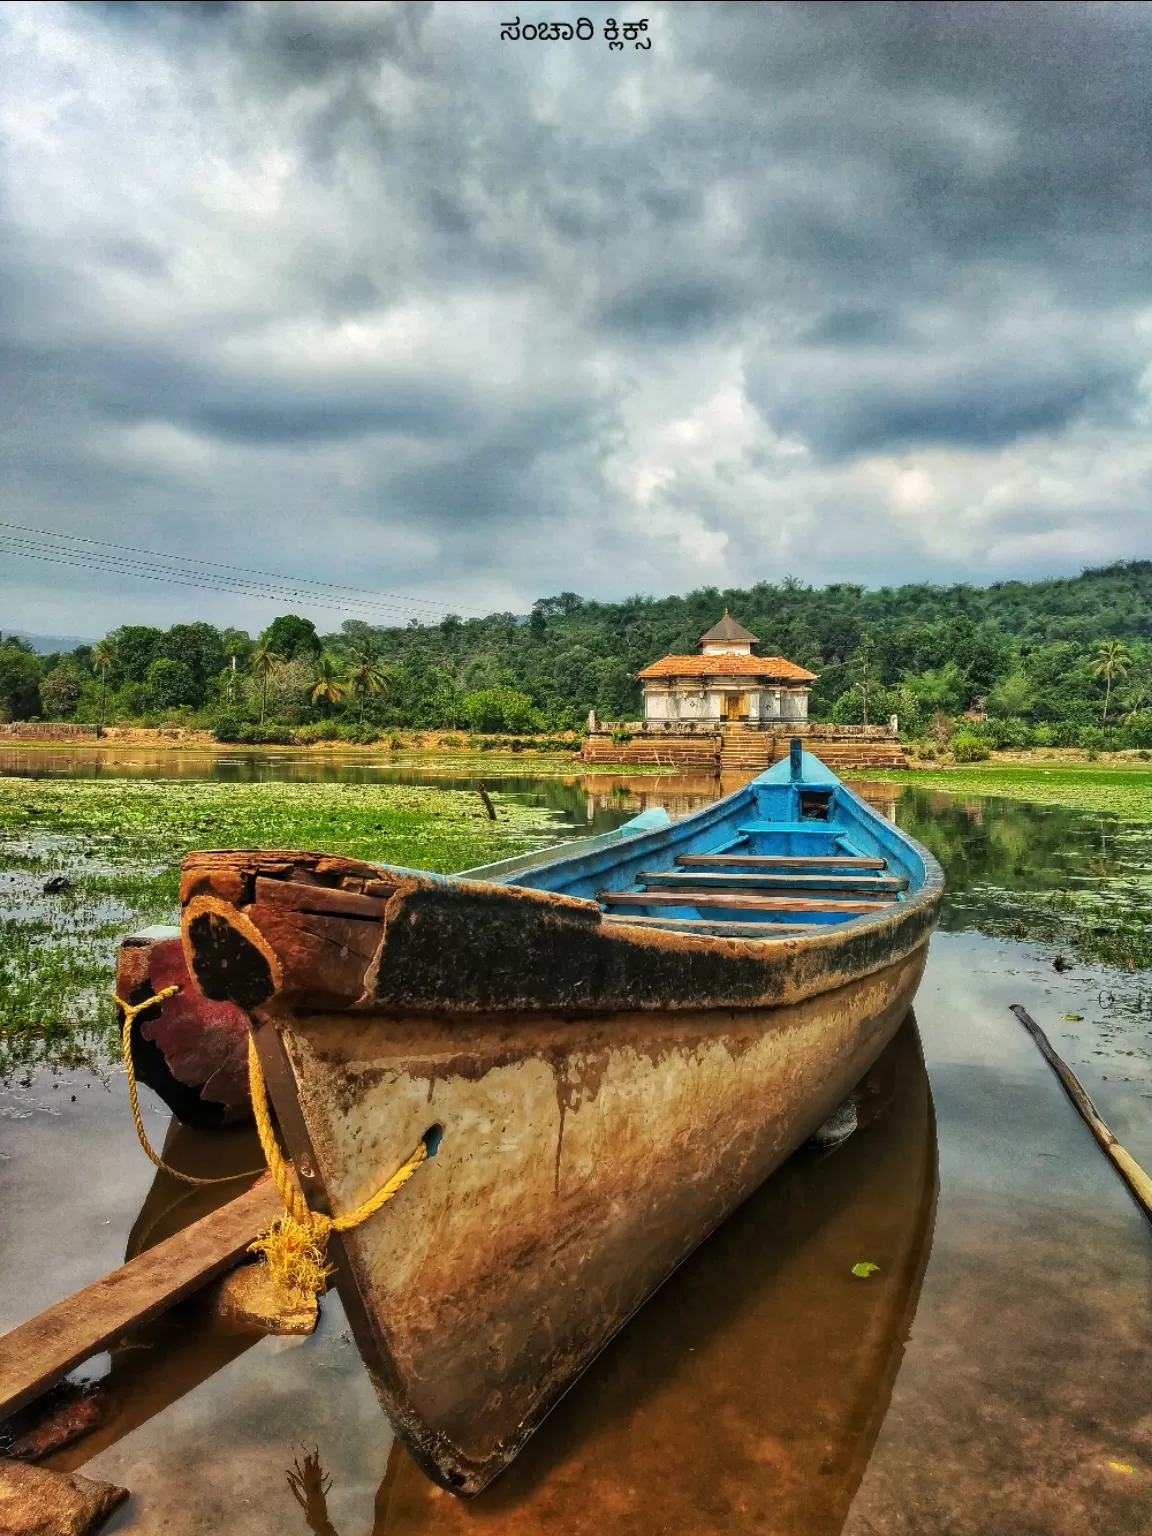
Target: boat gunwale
x=795 y=965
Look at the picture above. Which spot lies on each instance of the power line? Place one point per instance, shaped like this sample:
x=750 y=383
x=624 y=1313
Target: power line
x=245 y=571
x=209 y=575
x=379 y=611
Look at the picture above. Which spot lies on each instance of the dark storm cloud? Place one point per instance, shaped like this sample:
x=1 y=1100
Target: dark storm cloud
x=660 y=315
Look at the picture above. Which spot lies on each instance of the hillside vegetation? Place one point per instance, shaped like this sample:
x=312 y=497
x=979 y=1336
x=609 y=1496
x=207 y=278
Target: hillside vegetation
x=1057 y=662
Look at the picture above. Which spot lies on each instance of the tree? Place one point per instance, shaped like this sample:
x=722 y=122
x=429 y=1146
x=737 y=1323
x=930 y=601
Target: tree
x=19 y=681
x=171 y=684
x=137 y=647
x=291 y=636
x=236 y=643
x=1012 y=695
x=368 y=677
x=329 y=687
x=103 y=659
x=264 y=662
x=200 y=648
x=60 y=693
x=228 y=683
x=499 y=709
x=865 y=654
x=1137 y=699
x=1112 y=660
x=943 y=728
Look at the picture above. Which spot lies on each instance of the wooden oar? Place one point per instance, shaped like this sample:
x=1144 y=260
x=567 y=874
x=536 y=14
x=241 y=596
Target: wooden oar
x=35 y=1355
x=1127 y=1166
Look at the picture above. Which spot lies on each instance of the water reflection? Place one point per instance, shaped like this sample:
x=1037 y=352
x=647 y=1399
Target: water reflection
x=153 y=1366
x=1078 y=879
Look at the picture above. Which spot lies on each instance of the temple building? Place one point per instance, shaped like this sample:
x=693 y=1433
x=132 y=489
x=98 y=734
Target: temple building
x=726 y=683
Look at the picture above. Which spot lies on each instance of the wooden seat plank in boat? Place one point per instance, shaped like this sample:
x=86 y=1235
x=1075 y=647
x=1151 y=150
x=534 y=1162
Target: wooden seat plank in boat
x=718 y=929
x=737 y=881
x=706 y=898
x=783 y=860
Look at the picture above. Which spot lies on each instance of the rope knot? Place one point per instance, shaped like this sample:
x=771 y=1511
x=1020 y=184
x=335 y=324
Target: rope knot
x=294 y=1247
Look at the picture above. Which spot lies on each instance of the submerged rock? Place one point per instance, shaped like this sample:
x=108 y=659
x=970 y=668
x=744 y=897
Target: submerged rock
x=36 y=1502
x=249 y=1301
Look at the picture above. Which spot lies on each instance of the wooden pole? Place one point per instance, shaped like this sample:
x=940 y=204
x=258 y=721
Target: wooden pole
x=1128 y=1168
x=37 y=1354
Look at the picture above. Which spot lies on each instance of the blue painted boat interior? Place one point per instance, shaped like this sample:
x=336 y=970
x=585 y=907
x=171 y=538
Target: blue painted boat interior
x=793 y=851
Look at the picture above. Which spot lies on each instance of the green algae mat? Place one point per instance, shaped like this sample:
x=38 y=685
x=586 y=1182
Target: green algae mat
x=1125 y=793
x=82 y=862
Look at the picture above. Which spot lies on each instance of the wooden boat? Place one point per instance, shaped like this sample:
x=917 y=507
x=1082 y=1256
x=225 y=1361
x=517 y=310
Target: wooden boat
x=747 y=1395
x=193 y=1051
x=607 y=1054
x=190 y=1050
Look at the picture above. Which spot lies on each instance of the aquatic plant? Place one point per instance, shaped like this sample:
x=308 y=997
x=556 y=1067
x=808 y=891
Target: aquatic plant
x=1125 y=792
x=119 y=844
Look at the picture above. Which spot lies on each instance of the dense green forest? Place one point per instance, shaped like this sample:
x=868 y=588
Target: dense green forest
x=1057 y=662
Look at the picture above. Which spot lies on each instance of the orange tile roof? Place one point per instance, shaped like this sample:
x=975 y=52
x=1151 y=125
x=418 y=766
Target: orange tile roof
x=728 y=666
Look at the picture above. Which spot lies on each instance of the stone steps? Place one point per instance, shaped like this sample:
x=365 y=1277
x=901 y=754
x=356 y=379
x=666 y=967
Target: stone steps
x=737 y=749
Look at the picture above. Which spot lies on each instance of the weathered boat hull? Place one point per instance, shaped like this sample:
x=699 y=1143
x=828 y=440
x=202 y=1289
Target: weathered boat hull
x=747 y=1394
x=582 y=1161
x=600 y=1093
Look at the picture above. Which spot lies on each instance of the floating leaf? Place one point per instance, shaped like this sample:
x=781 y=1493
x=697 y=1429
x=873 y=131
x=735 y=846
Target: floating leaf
x=1072 y=1018
x=864 y=1269
x=1122 y=1466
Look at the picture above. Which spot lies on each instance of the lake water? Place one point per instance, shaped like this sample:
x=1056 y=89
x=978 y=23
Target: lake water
x=993 y=1375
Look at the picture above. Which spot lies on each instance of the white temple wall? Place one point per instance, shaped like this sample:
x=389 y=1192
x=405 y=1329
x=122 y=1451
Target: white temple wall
x=697 y=705
x=794 y=706
x=764 y=705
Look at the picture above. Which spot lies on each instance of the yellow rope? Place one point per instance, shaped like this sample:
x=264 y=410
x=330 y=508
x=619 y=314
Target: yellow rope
x=284 y=1177
x=293 y=1246
x=131 y=1013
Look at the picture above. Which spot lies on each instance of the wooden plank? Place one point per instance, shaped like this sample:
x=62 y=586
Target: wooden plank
x=785 y=860
x=320 y=900
x=735 y=900
x=39 y=1352
x=713 y=880
x=721 y=930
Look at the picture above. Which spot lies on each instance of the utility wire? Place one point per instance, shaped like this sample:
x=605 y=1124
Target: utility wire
x=379 y=611
x=128 y=560
x=151 y=554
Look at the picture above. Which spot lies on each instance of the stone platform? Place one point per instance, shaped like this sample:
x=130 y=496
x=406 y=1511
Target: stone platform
x=746 y=749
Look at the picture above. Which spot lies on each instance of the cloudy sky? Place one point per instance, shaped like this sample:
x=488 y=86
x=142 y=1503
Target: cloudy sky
x=361 y=294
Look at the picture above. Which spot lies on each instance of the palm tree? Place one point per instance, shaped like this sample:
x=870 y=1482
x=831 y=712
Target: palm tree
x=103 y=658
x=368 y=676
x=329 y=688
x=1110 y=662
x=264 y=662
